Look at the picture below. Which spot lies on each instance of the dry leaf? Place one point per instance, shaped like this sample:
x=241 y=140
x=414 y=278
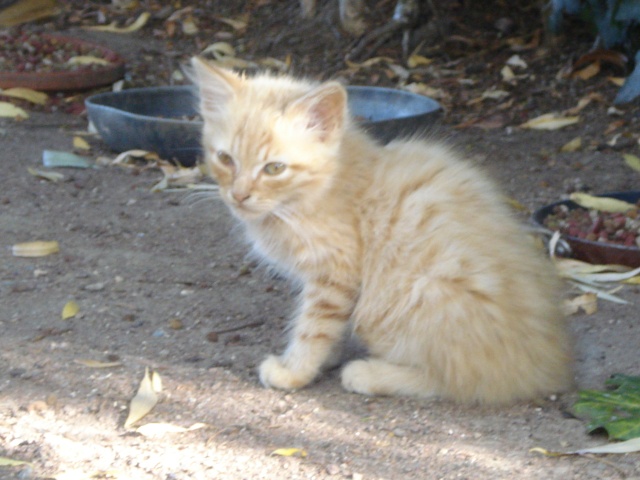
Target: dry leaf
x=368 y=63
x=158 y=429
x=16 y=13
x=70 y=310
x=97 y=364
x=45 y=175
x=9 y=462
x=572 y=146
x=113 y=27
x=33 y=96
x=604 y=204
x=582 y=103
x=617 y=81
x=225 y=56
x=145 y=399
x=587 y=302
x=35 y=249
x=289 y=452
x=550 y=121
x=80 y=143
x=632 y=161
x=628 y=446
x=426 y=90
x=416 y=60
x=9 y=110
x=126 y=158
x=507 y=74
x=87 y=60
x=516 y=61
x=189 y=26
x=177 y=177
x=239 y=25
x=587 y=72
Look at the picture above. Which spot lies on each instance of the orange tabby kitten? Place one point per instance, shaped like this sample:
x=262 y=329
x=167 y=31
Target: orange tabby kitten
x=412 y=248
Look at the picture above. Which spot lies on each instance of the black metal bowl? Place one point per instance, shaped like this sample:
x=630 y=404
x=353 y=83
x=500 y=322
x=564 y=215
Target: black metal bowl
x=596 y=252
x=160 y=119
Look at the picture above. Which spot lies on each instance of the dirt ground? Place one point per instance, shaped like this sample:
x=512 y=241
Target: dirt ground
x=162 y=281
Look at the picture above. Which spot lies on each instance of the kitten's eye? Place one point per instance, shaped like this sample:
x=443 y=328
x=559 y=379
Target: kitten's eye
x=225 y=159
x=274 y=168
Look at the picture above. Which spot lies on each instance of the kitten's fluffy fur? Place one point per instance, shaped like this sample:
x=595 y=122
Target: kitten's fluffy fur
x=411 y=247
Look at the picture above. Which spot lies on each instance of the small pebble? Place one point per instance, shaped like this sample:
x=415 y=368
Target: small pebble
x=95 y=287
x=333 y=469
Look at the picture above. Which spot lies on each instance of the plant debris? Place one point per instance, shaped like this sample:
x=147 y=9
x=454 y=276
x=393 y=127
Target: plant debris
x=22 y=51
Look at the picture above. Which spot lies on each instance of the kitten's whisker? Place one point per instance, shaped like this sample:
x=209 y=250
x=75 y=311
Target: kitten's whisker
x=202 y=196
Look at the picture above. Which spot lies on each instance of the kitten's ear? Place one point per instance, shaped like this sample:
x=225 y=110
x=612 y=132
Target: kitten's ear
x=323 y=110
x=217 y=86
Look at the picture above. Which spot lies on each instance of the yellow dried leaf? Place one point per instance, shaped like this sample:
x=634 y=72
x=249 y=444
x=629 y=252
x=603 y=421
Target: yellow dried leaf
x=80 y=143
x=87 y=60
x=32 y=96
x=604 y=204
x=189 y=26
x=289 y=452
x=368 y=63
x=9 y=462
x=156 y=382
x=9 y=110
x=424 y=89
x=587 y=302
x=46 y=175
x=143 y=402
x=507 y=74
x=617 y=81
x=125 y=158
x=239 y=25
x=219 y=50
x=572 y=146
x=588 y=72
x=416 y=60
x=16 y=13
x=113 y=27
x=550 y=121
x=96 y=363
x=70 y=310
x=632 y=161
x=35 y=249
x=494 y=94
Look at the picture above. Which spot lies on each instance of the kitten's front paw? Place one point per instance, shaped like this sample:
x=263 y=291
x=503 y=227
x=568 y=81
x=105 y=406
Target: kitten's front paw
x=357 y=377
x=274 y=374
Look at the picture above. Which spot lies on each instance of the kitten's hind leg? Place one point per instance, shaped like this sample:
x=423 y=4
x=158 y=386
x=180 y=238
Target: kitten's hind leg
x=375 y=376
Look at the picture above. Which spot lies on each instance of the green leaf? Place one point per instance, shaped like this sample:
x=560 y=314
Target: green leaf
x=616 y=411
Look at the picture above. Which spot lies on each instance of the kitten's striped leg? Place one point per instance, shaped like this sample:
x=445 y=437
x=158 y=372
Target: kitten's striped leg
x=374 y=376
x=316 y=332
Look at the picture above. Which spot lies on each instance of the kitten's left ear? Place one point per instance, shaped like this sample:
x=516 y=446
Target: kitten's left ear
x=217 y=86
x=324 y=110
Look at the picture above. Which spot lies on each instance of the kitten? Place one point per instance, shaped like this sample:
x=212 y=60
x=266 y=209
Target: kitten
x=406 y=244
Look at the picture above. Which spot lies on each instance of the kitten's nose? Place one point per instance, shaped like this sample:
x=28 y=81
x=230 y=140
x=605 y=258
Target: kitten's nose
x=240 y=195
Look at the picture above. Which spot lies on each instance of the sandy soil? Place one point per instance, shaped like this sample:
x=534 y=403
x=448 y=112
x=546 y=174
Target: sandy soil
x=162 y=281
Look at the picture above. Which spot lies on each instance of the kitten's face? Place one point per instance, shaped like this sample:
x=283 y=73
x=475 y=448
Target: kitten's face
x=269 y=142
